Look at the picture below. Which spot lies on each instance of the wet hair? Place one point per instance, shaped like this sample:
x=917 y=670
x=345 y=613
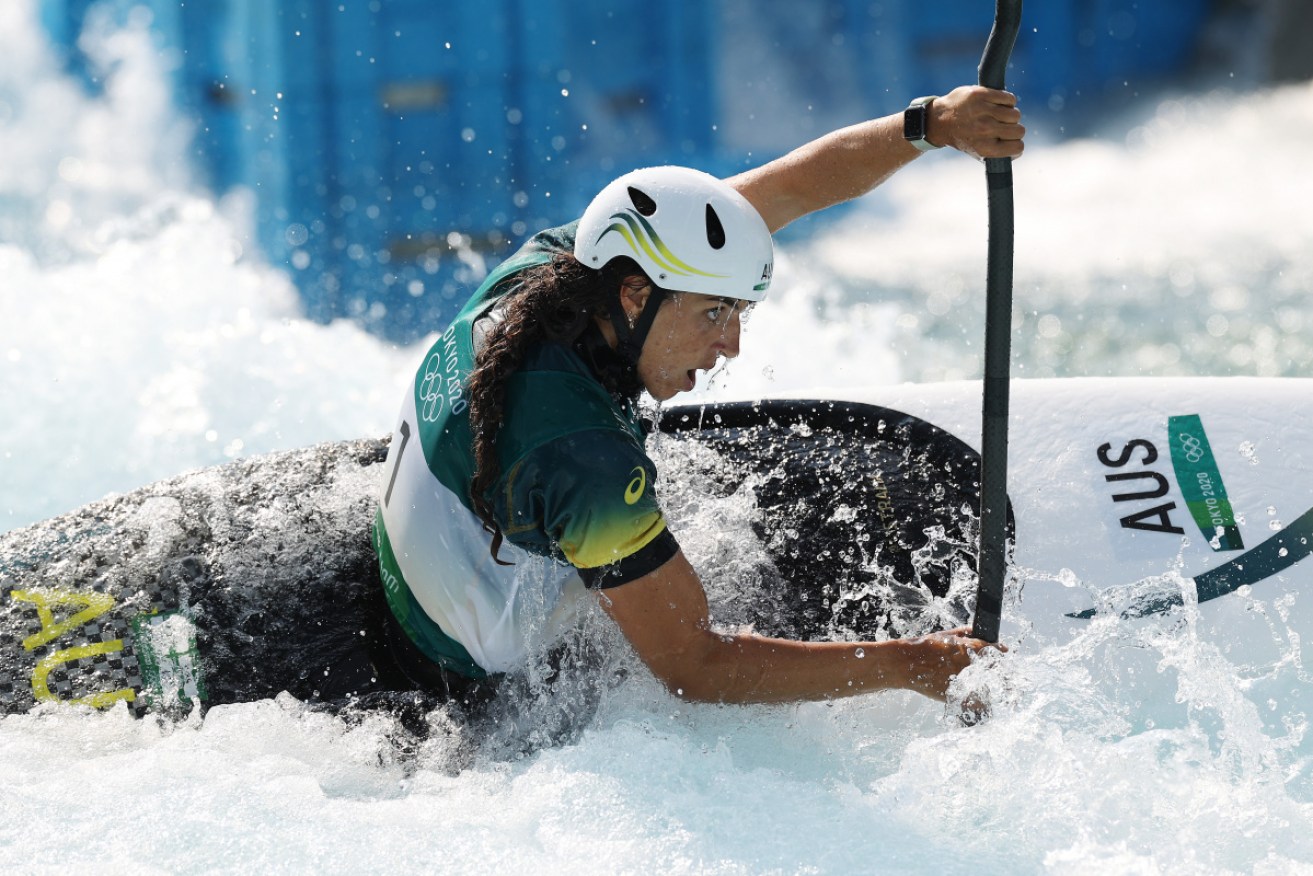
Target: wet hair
x=554 y=302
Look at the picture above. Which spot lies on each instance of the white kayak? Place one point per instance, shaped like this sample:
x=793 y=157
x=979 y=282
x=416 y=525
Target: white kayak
x=841 y=515
x=1134 y=495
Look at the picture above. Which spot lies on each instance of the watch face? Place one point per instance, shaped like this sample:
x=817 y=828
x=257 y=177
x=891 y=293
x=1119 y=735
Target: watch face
x=914 y=123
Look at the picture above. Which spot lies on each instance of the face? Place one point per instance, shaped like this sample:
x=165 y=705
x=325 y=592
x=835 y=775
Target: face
x=690 y=334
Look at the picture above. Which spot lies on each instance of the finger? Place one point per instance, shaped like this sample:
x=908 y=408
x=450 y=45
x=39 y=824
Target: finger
x=1001 y=98
x=1010 y=132
x=998 y=148
x=1005 y=149
x=1008 y=115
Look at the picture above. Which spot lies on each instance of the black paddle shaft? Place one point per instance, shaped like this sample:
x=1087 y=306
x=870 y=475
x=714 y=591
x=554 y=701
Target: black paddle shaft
x=992 y=565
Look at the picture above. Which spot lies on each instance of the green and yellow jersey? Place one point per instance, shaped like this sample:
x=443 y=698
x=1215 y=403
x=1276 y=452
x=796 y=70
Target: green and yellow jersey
x=575 y=501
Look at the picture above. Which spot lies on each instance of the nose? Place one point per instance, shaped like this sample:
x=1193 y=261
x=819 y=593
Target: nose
x=728 y=344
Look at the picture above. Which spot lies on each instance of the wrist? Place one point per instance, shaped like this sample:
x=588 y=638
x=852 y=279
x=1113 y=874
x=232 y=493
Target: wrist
x=917 y=123
x=885 y=665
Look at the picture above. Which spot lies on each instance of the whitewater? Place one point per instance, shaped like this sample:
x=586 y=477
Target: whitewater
x=142 y=335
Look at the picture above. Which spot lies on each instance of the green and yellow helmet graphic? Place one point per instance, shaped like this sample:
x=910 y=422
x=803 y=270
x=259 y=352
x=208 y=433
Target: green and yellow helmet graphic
x=689 y=231
x=644 y=242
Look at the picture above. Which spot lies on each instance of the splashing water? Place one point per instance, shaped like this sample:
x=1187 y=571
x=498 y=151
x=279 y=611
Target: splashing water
x=142 y=335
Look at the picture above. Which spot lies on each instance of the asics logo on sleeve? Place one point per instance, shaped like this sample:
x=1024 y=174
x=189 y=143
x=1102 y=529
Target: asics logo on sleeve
x=634 y=491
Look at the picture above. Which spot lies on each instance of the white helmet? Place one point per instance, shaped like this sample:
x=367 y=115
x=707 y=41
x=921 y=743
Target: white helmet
x=689 y=231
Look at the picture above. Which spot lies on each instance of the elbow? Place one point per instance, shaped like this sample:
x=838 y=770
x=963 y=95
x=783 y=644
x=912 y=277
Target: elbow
x=688 y=687
x=686 y=679
x=707 y=673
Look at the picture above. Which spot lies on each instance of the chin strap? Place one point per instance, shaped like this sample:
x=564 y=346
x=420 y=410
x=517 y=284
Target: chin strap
x=618 y=377
x=630 y=340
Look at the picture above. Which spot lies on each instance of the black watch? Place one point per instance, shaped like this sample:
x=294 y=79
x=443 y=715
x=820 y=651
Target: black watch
x=916 y=123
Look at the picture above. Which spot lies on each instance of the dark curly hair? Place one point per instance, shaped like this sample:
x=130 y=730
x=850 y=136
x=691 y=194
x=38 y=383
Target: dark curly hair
x=553 y=302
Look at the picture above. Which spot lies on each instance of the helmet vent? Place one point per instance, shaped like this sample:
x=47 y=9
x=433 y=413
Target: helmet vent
x=643 y=203
x=715 y=231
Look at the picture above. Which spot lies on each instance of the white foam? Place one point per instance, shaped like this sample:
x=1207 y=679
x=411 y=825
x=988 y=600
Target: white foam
x=142 y=335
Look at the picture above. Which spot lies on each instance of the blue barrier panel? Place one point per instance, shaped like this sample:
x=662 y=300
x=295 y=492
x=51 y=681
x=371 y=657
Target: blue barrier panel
x=284 y=148
x=905 y=48
x=186 y=35
x=423 y=155
x=1126 y=40
x=600 y=93
x=1044 y=69
x=63 y=21
x=394 y=145
x=190 y=34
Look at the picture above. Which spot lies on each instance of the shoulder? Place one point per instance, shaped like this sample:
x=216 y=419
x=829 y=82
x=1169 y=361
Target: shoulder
x=552 y=241
x=557 y=399
x=539 y=249
x=593 y=494
x=598 y=457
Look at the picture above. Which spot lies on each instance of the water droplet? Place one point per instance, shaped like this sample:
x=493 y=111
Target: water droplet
x=296 y=234
x=860 y=653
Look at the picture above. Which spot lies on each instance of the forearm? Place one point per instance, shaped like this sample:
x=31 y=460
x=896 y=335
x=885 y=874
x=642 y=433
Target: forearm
x=747 y=668
x=664 y=615
x=850 y=162
x=837 y=167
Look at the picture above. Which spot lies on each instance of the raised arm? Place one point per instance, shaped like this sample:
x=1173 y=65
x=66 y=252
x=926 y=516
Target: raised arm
x=848 y=163
x=664 y=616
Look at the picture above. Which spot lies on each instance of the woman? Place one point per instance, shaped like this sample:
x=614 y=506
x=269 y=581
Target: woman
x=517 y=476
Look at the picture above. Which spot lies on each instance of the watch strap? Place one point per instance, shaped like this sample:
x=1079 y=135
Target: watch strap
x=916 y=123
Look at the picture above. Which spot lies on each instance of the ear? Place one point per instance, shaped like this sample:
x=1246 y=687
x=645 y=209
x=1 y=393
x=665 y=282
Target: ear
x=634 y=292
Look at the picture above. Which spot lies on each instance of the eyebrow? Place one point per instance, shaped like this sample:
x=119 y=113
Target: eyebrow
x=728 y=301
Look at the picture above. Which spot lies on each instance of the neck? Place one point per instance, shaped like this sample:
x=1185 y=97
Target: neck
x=597 y=347
x=608 y=331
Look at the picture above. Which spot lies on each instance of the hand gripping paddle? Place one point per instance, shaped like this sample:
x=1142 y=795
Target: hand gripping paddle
x=992 y=563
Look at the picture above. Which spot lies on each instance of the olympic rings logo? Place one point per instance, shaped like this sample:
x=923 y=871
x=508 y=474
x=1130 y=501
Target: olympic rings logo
x=430 y=389
x=442 y=381
x=1191 y=446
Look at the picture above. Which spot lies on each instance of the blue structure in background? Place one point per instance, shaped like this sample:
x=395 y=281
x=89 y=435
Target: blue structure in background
x=392 y=145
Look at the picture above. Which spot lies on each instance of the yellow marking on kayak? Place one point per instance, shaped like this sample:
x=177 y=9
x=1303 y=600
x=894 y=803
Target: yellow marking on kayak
x=94 y=605
x=41 y=676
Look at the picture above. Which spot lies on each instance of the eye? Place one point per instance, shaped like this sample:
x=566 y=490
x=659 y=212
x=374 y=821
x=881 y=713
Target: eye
x=715 y=313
